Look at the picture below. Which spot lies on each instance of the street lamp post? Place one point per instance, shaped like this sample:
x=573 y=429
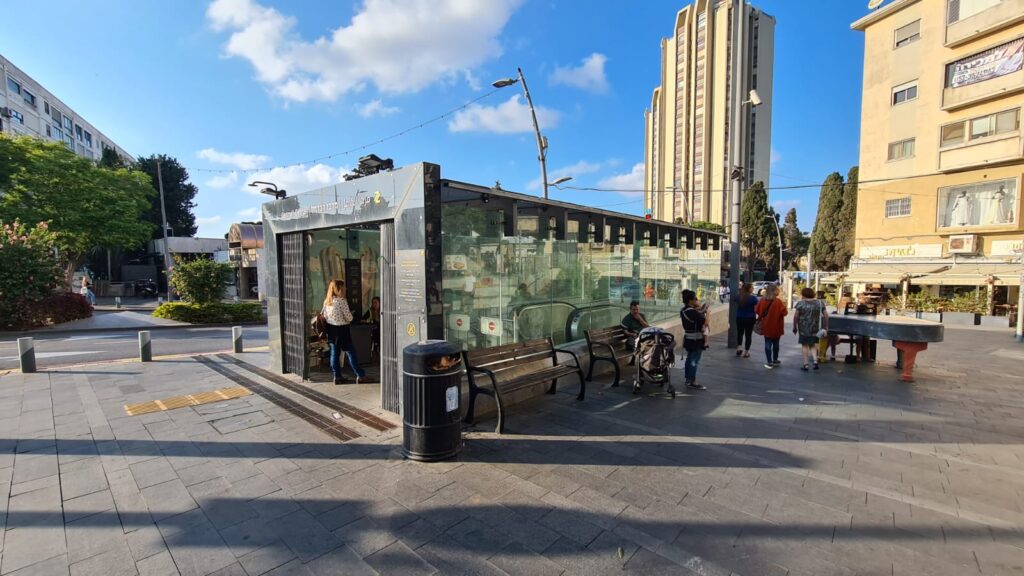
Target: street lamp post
x=737 y=149
x=778 y=233
x=542 y=142
x=270 y=189
x=163 y=218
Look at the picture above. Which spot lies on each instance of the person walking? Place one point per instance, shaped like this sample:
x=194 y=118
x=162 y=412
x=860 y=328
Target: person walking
x=86 y=290
x=746 y=302
x=810 y=322
x=694 y=338
x=771 y=313
x=828 y=341
x=339 y=335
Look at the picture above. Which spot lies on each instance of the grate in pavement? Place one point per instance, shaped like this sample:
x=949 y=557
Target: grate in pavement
x=187 y=400
x=325 y=424
x=348 y=410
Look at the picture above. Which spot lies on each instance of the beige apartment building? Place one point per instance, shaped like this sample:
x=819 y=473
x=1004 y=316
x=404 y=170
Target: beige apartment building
x=28 y=109
x=687 y=145
x=941 y=149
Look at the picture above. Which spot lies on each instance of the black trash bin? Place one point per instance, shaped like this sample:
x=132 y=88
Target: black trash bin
x=431 y=396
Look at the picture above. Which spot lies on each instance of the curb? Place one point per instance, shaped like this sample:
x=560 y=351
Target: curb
x=158 y=327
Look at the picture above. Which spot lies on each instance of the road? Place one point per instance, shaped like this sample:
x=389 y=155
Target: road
x=64 y=350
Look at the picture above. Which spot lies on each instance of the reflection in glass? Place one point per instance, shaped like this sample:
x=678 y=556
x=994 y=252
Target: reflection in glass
x=982 y=204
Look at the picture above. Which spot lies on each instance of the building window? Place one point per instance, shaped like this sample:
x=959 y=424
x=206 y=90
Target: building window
x=991 y=203
x=29 y=97
x=909 y=33
x=88 y=139
x=897 y=207
x=78 y=132
x=46 y=107
x=55 y=114
x=986 y=65
x=901 y=150
x=17 y=116
x=957 y=10
x=58 y=134
x=1003 y=122
x=13 y=85
x=68 y=126
x=48 y=130
x=904 y=93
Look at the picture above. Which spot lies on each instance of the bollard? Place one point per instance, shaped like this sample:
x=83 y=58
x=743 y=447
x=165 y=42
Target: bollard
x=236 y=338
x=117 y=301
x=26 y=355
x=145 y=347
x=159 y=300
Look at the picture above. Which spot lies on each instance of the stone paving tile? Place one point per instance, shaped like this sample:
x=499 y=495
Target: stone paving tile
x=56 y=566
x=24 y=547
x=341 y=561
x=305 y=536
x=168 y=499
x=116 y=562
x=263 y=560
x=157 y=565
x=397 y=558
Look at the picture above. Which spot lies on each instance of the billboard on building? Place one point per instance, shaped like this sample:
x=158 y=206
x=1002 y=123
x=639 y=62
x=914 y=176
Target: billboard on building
x=992 y=63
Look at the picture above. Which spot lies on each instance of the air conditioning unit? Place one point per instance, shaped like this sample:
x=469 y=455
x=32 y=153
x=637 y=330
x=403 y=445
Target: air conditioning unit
x=963 y=244
x=5 y=112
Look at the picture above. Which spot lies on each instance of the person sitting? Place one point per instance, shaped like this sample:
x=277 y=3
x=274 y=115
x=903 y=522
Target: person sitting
x=635 y=321
x=372 y=317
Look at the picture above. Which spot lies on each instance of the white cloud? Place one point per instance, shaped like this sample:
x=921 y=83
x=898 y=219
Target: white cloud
x=575 y=170
x=628 y=183
x=784 y=205
x=298 y=179
x=224 y=181
x=774 y=156
x=509 y=117
x=239 y=160
x=587 y=76
x=208 y=221
x=396 y=45
x=250 y=212
x=377 y=108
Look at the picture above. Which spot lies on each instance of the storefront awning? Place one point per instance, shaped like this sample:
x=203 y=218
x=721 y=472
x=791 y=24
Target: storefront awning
x=1002 y=274
x=883 y=273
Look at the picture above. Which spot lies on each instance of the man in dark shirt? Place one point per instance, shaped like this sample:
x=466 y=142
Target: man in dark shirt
x=635 y=321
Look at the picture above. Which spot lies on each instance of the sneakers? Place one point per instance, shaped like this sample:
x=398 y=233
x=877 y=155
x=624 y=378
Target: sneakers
x=693 y=385
x=746 y=354
x=777 y=363
x=769 y=366
x=815 y=365
x=805 y=367
x=739 y=352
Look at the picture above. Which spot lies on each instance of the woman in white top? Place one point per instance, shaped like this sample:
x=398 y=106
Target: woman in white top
x=339 y=317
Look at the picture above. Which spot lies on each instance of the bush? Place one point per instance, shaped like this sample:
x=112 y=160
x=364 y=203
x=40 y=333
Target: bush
x=201 y=281
x=61 y=307
x=210 y=313
x=29 y=272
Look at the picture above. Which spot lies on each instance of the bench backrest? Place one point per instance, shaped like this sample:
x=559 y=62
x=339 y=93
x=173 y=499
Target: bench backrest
x=512 y=360
x=614 y=335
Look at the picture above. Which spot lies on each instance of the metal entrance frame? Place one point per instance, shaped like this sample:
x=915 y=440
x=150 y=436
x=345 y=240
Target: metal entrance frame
x=293 y=302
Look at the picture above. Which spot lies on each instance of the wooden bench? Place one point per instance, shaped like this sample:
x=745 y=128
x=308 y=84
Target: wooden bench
x=608 y=345
x=512 y=367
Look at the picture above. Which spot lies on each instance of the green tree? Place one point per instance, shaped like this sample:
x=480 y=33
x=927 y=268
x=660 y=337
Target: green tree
x=847 y=231
x=758 y=224
x=86 y=206
x=178 y=196
x=792 y=239
x=200 y=281
x=705 y=225
x=111 y=159
x=29 y=271
x=825 y=237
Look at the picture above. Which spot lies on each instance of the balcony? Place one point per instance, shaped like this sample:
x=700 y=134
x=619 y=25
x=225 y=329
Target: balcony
x=960 y=97
x=1002 y=15
x=998 y=150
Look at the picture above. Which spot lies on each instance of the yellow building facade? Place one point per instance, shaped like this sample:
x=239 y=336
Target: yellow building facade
x=687 y=162
x=941 y=147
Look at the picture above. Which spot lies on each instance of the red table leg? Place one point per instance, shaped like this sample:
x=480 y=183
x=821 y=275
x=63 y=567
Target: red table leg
x=909 y=350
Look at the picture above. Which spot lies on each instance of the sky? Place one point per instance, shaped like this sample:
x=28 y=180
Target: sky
x=295 y=92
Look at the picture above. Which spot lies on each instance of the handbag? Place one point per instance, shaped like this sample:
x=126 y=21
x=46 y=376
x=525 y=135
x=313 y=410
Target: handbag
x=759 y=323
x=319 y=326
x=821 y=333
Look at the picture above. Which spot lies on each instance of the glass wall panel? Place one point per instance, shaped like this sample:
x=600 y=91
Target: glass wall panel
x=500 y=289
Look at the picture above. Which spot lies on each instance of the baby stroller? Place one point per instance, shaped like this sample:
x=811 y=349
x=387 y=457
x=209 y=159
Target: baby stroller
x=654 y=356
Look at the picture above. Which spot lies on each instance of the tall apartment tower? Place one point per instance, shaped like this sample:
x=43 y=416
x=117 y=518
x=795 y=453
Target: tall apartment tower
x=688 y=142
x=28 y=109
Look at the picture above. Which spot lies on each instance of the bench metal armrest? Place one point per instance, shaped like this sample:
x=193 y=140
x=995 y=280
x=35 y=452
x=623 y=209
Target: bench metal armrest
x=575 y=358
x=489 y=373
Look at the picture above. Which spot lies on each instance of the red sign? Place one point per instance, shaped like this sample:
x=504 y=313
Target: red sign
x=458 y=322
x=490 y=326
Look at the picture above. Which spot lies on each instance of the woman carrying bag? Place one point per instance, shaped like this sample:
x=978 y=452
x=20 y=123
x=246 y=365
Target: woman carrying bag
x=810 y=323
x=339 y=336
x=771 y=314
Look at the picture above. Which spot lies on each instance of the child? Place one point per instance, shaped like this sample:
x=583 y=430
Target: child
x=810 y=317
x=828 y=341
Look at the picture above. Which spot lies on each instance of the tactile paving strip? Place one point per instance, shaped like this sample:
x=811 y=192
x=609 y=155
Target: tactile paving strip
x=187 y=400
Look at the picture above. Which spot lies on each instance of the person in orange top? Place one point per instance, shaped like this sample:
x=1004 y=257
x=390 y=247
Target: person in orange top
x=771 y=313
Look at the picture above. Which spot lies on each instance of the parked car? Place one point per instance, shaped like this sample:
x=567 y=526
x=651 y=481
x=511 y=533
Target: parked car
x=760 y=285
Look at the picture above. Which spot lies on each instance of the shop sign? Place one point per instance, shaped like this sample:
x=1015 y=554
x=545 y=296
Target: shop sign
x=1007 y=247
x=455 y=262
x=992 y=63
x=901 y=251
x=490 y=326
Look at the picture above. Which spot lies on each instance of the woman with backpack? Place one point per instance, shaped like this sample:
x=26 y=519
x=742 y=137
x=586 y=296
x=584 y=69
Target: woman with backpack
x=810 y=322
x=771 y=323
x=694 y=337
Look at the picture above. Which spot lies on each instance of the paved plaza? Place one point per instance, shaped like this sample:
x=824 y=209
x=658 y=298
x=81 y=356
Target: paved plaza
x=842 y=471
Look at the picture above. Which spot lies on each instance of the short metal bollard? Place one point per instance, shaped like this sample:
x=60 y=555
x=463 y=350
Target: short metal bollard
x=236 y=338
x=26 y=355
x=117 y=301
x=145 y=346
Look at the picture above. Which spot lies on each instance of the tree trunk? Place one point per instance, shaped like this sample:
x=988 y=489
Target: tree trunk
x=70 y=265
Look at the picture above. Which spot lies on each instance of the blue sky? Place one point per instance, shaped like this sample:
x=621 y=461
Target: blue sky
x=243 y=84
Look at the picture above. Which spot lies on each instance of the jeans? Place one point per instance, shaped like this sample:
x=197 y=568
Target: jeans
x=335 y=340
x=771 y=349
x=690 y=365
x=89 y=297
x=745 y=332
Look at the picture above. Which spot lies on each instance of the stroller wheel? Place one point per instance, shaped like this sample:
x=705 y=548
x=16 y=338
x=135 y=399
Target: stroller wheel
x=671 y=391
x=636 y=387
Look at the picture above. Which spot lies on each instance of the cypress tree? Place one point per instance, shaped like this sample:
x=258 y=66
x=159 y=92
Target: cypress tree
x=825 y=237
x=758 y=222
x=847 y=220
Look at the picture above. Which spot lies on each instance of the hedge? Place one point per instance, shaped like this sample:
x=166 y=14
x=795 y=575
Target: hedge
x=212 y=313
